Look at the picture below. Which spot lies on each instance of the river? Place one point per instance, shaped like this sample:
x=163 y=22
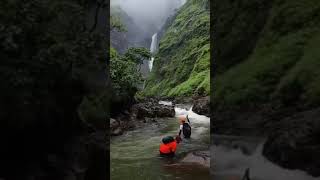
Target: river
x=232 y=155
x=135 y=155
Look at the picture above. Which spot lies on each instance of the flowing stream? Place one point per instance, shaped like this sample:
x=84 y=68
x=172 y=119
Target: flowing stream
x=135 y=155
x=232 y=155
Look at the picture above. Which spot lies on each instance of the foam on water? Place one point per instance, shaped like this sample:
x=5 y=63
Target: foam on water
x=196 y=118
x=166 y=103
x=227 y=161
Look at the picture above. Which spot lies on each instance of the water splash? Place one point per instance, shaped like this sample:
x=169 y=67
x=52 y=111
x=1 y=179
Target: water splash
x=166 y=103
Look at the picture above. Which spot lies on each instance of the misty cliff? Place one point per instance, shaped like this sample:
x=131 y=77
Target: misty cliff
x=134 y=36
x=182 y=65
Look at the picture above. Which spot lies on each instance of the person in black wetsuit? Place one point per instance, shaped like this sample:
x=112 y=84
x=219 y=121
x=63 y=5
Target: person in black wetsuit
x=185 y=127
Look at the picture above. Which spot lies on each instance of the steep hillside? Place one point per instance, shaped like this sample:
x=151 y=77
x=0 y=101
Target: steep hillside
x=268 y=77
x=182 y=65
x=278 y=67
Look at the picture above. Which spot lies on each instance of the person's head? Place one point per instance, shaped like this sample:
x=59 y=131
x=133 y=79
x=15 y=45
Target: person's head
x=167 y=139
x=182 y=119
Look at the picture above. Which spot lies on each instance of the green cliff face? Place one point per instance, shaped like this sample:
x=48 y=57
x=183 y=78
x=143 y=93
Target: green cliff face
x=278 y=65
x=267 y=79
x=182 y=65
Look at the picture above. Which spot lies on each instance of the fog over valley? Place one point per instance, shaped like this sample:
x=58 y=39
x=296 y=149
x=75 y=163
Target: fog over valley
x=149 y=15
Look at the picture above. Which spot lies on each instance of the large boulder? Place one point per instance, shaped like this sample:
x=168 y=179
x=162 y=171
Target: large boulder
x=116 y=132
x=296 y=143
x=198 y=157
x=115 y=127
x=152 y=110
x=202 y=106
x=114 y=124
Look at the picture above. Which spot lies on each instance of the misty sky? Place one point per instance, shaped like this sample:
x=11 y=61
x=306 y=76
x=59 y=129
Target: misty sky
x=147 y=13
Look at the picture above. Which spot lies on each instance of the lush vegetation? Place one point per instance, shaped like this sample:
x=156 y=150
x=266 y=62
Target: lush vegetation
x=182 y=65
x=125 y=72
x=282 y=68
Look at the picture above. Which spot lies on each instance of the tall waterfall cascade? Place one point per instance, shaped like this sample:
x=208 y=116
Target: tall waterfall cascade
x=153 y=49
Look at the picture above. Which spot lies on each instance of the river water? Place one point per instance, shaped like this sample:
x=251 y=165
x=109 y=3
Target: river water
x=232 y=155
x=135 y=155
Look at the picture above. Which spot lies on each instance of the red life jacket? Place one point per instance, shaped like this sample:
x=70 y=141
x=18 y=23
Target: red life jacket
x=168 y=148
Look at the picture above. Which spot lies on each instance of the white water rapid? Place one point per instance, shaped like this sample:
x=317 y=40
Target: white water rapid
x=231 y=163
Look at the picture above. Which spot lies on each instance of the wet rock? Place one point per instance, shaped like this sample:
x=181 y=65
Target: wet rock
x=296 y=145
x=114 y=124
x=117 y=132
x=115 y=127
x=152 y=109
x=141 y=113
x=202 y=106
x=198 y=157
x=121 y=124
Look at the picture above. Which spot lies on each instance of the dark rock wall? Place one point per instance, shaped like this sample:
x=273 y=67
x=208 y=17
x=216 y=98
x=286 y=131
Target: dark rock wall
x=50 y=62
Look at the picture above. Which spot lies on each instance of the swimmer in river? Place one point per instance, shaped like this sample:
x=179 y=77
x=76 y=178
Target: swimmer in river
x=168 y=146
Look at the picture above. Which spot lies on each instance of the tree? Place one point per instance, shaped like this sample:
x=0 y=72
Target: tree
x=137 y=55
x=116 y=24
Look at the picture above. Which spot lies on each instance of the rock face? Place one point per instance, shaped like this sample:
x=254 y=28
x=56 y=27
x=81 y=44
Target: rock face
x=152 y=110
x=42 y=133
x=115 y=128
x=202 y=106
x=140 y=113
x=198 y=157
x=296 y=145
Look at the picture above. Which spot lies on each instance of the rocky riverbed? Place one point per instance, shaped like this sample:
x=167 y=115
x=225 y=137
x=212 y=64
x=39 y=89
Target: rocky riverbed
x=198 y=157
x=296 y=142
x=147 y=110
x=140 y=114
x=291 y=140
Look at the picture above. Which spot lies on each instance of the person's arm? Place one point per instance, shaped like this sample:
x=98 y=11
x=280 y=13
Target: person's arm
x=180 y=130
x=188 y=119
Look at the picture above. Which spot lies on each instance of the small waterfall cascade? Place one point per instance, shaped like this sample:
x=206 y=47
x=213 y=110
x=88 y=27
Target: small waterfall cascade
x=153 y=49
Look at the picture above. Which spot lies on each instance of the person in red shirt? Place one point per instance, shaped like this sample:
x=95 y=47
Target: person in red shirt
x=168 y=146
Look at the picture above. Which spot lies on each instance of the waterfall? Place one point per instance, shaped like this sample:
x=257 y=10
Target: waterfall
x=153 y=49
